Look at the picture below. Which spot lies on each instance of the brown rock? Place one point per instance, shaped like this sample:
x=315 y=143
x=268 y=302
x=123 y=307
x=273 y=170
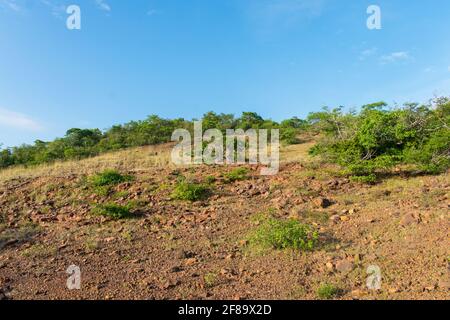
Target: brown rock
x=444 y=284
x=322 y=203
x=357 y=294
x=335 y=218
x=408 y=219
x=393 y=290
x=344 y=266
x=190 y=261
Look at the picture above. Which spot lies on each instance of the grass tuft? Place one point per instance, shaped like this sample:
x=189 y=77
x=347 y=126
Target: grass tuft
x=190 y=191
x=238 y=174
x=113 y=210
x=327 y=291
x=108 y=178
x=284 y=234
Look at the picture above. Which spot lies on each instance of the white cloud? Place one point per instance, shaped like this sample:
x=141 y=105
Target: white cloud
x=400 y=56
x=57 y=9
x=367 y=53
x=10 y=4
x=18 y=120
x=103 y=5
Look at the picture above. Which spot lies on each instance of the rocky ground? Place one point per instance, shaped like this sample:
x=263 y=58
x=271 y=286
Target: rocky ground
x=176 y=249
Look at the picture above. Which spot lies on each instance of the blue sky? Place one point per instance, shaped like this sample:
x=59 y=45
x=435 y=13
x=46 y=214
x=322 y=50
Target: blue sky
x=179 y=58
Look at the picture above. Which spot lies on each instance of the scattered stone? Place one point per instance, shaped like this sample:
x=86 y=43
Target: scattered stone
x=190 y=261
x=408 y=219
x=344 y=266
x=229 y=257
x=330 y=266
x=357 y=294
x=169 y=284
x=444 y=284
x=430 y=288
x=322 y=203
x=344 y=218
x=175 y=269
x=243 y=243
x=225 y=271
x=335 y=218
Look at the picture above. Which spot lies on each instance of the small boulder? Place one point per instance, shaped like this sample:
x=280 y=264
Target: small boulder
x=322 y=203
x=344 y=266
x=408 y=219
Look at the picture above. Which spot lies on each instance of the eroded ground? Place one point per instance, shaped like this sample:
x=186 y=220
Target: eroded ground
x=181 y=250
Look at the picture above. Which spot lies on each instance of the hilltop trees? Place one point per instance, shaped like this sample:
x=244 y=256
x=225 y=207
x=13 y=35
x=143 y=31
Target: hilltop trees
x=364 y=143
x=82 y=143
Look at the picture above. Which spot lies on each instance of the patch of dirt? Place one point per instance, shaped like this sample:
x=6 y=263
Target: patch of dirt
x=183 y=250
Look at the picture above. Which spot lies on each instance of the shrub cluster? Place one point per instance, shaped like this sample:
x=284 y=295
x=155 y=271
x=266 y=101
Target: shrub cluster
x=113 y=211
x=108 y=177
x=190 y=191
x=379 y=138
x=284 y=234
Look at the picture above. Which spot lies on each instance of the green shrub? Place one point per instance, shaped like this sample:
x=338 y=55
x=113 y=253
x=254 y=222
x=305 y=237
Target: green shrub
x=369 y=179
x=210 y=279
x=238 y=174
x=108 y=178
x=113 y=210
x=190 y=191
x=289 y=136
x=327 y=291
x=284 y=234
x=377 y=139
x=210 y=179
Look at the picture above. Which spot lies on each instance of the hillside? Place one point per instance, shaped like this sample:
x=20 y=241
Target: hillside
x=206 y=249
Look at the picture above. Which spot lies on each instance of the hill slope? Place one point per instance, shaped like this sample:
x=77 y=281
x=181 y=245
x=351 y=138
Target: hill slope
x=204 y=249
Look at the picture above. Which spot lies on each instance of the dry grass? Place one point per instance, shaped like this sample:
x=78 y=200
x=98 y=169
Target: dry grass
x=296 y=152
x=134 y=159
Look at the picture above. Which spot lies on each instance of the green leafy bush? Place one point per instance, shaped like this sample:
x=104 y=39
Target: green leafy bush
x=238 y=174
x=108 y=178
x=377 y=139
x=284 y=234
x=113 y=210
x=210 y=179
x=190 y=191
x=327 y=291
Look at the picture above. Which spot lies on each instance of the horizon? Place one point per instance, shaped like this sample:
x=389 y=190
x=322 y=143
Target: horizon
x=180 y=60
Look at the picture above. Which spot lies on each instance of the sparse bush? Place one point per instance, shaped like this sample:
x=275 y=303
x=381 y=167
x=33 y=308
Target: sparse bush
x=210 y=179
x=113 y=211
x=108 y=178
x=238 y=174
x=210 y=279
x=284 y=234
x=190 y=191
x=327 y=291
x=369 y=179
